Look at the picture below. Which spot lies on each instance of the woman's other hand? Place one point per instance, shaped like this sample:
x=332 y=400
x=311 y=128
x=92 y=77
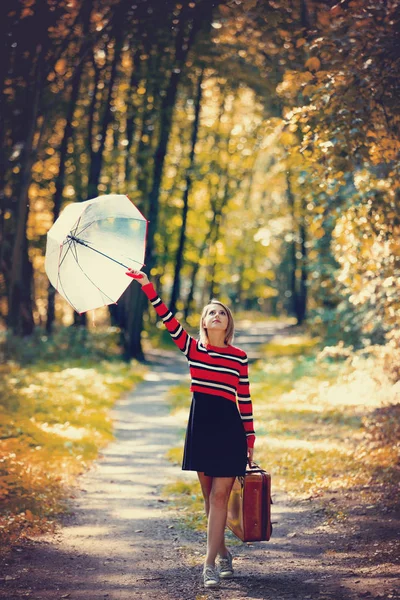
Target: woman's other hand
x=140 y=276
x=250 y=453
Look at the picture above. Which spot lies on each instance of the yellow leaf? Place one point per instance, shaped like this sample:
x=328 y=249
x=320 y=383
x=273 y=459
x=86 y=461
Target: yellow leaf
x=308 y=90
x=61 y=66
x=249 y=4
x=283 y=33
x=336 y=10
x=306 y=76
x=313 y=63
x=28 y=515
x=323 y=17
x=225 y=10
x=300 y=42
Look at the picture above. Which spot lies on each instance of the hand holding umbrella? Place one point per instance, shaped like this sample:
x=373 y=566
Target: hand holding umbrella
x=140 y=276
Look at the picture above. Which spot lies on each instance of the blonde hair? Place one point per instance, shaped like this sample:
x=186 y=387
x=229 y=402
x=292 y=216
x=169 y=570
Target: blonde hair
x=230 y=330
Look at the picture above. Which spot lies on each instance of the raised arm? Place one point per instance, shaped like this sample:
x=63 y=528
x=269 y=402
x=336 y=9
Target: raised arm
x=245 y=405
x=178 y=334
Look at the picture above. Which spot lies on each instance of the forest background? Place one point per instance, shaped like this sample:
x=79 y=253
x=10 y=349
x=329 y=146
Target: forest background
x=259 y=138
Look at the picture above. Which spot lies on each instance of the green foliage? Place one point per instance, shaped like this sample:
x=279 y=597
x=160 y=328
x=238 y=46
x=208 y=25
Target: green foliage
x=158 y=336
x=65 y=343
x=186 y=496
x=295 y=345
x=179 y=397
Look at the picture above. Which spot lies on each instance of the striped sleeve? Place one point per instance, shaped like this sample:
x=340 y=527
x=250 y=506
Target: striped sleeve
x=244 y=403
x=181 y=338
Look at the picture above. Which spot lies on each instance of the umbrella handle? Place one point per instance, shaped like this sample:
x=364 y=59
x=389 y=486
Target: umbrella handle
x=133 y=275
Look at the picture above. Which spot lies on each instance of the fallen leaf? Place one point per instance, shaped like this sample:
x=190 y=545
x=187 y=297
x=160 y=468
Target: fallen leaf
x=313 y=63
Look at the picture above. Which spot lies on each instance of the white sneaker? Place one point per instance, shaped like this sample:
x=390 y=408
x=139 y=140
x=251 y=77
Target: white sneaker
x=210 y=577
x=225 y=566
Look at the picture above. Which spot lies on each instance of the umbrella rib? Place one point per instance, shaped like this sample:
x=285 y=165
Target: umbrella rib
x=66 y=252
x=71 y=246
x=76 y=232
x=59 y=278
x=74 y=251
x=87 y=245
x=67 y=297
x=87 y=276
x=76 y=225
x=65 y=293
x=73 y=232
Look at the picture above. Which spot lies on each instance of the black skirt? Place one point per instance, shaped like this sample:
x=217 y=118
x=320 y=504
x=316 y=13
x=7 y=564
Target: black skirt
x=215 y=441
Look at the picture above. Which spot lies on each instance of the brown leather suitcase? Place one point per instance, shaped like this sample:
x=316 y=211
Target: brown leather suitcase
x=249 y=507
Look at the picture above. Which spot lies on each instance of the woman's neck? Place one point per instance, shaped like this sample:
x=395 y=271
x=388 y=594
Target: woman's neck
x=216 y=338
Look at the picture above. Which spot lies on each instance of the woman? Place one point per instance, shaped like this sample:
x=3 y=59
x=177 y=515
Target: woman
x=219 y=437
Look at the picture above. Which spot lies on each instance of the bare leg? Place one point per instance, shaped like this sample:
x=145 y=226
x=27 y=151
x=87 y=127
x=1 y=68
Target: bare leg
x=206 y=483
x=216 y=502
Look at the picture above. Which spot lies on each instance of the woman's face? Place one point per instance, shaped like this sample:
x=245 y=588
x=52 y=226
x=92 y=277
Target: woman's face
x=216 y=318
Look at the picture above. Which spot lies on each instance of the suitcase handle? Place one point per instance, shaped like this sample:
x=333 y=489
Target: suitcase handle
x=253 y=466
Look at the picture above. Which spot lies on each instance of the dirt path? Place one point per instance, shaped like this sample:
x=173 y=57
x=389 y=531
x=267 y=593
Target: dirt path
x=122 y=542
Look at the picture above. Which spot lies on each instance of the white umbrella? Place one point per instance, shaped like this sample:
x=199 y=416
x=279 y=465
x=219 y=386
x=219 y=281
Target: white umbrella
x=89 y=248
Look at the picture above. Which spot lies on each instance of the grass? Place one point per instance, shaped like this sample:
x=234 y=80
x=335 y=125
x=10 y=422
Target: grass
x=179 y=397
x=322 y=423
x=55 y=398
x=186 y=496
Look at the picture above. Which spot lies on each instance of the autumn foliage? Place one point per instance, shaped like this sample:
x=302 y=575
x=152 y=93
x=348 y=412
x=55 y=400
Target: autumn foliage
x=261 y=140
x=275 y=122
x=54 y=419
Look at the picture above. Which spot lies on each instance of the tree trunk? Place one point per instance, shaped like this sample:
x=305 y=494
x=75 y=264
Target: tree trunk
x=293 y=250
x=5 y=46
x=213 y=248
x=20 y=317
x=130 y=112
x=208 y=239
x=135 y=299
x=183 y=44
x=60 y=180
x=217 y=225
x=189 y=178
x=302 y=296
x=97 y=156
x=216 y=212
x=149 y=119
x=243 y=259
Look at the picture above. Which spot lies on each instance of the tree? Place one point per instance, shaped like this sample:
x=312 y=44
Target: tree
x=63 y=152
x=188 y=184
x=191 y=20
x=20 y=314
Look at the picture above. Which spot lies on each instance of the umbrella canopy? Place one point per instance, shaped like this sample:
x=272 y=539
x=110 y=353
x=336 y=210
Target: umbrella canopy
x=89 y=248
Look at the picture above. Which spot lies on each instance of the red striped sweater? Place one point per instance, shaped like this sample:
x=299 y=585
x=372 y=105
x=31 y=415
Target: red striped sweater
x=213 y=370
